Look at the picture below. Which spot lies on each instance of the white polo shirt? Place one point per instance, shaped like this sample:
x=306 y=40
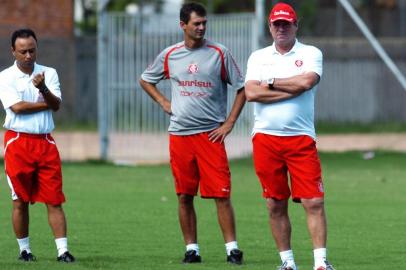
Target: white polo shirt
x=290 y=117
x=16 y=86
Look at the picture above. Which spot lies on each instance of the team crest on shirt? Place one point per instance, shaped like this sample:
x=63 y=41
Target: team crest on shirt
x=193 y=68
x=299 y=63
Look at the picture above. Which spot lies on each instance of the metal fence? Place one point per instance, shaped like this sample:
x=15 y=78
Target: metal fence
x=132 y=126
x=356 y=85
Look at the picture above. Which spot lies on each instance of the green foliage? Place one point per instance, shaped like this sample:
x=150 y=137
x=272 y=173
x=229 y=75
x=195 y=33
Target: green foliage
x=126 y=218
x=307 y=15
x=89 y=23
x=120 y=5
x=224 y=6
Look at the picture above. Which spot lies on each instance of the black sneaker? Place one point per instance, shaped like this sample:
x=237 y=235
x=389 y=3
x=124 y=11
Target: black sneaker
x=27 y=257
x=191 y=256
x=235 y=256
x=285 y=266
x=66 y=257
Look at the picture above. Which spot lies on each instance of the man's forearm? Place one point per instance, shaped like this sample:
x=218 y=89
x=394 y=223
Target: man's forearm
x=53 y=101
x=152 y=91
x=296 y=84
x=24 y=107
x=237 y=107
x=156 y=95
x=274 y=97
x=256 y=92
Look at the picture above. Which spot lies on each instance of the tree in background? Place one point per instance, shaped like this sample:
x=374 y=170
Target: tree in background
x=120 y=5
x=226 y=6
x=307 y=10
x=89 y=16
x=89 y=8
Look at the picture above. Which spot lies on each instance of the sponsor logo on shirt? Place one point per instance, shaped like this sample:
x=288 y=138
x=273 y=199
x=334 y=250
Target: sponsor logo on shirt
x=194 y=94
x=193 y=68
x=195 y=83
x=299 y=63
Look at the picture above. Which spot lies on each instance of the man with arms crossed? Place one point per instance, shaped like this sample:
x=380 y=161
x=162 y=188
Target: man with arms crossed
x=29 y=93
x=199 y=71
x=282 y=81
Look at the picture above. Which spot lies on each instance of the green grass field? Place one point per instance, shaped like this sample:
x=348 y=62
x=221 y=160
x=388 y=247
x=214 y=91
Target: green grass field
x=126 y=218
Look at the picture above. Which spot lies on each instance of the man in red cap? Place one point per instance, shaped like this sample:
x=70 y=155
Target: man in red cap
x=282 y=81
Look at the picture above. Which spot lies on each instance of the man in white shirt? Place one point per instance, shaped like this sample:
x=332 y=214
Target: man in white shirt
x=282 y=81
x=29 y=93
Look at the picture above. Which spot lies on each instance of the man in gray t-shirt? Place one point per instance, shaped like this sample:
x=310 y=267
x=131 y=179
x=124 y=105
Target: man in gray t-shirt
x=199 y=71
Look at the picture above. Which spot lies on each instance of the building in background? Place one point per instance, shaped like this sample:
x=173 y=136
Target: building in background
x=52 y=21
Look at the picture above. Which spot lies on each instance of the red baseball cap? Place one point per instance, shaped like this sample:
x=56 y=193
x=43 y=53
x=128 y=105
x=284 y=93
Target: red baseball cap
x=282 y=11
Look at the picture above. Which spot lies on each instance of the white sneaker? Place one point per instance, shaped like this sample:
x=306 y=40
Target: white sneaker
x=327 y=266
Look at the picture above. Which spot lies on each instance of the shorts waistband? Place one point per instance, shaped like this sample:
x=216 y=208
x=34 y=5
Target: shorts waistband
x=31 y=135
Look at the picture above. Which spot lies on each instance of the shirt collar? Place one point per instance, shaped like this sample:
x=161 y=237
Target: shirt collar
x=21 y=74
x=293 y=50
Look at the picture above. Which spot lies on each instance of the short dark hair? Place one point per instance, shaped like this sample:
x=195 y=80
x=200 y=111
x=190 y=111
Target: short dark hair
x=188 y=8
x=22 y=33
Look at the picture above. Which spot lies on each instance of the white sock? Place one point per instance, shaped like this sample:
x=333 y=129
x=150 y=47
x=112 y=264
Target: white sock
x=230 y=246
x=194 y=247
x=287 y=256
x=61 y=245
x=320 y=257
x=24 y=244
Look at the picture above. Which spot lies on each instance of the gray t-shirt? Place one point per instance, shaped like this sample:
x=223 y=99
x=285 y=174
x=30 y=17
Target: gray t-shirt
x=199 y=79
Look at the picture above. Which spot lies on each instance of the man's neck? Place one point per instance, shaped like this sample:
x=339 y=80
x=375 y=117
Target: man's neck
x=26 y=70
x=284 y=48
x=194 y=44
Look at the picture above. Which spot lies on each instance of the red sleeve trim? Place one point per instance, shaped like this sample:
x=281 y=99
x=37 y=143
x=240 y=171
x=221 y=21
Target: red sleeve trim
x=223 y=66
x=166 y=61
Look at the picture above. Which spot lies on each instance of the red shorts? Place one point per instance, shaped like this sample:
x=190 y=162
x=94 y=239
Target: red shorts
x=276 y=156
x=33 y=167
x=195 y=160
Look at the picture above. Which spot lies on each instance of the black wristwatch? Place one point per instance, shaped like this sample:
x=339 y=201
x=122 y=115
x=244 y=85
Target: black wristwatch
x=44 y=90
x=271 y=81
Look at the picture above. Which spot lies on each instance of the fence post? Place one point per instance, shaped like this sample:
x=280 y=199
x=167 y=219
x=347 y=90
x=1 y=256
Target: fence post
x=374 y=42
x=101 y=79
x=259 y=33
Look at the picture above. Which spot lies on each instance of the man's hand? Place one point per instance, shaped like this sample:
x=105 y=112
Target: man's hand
x=220 y=133
x=45 y=94
x=166 y=106
x=39 y=81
